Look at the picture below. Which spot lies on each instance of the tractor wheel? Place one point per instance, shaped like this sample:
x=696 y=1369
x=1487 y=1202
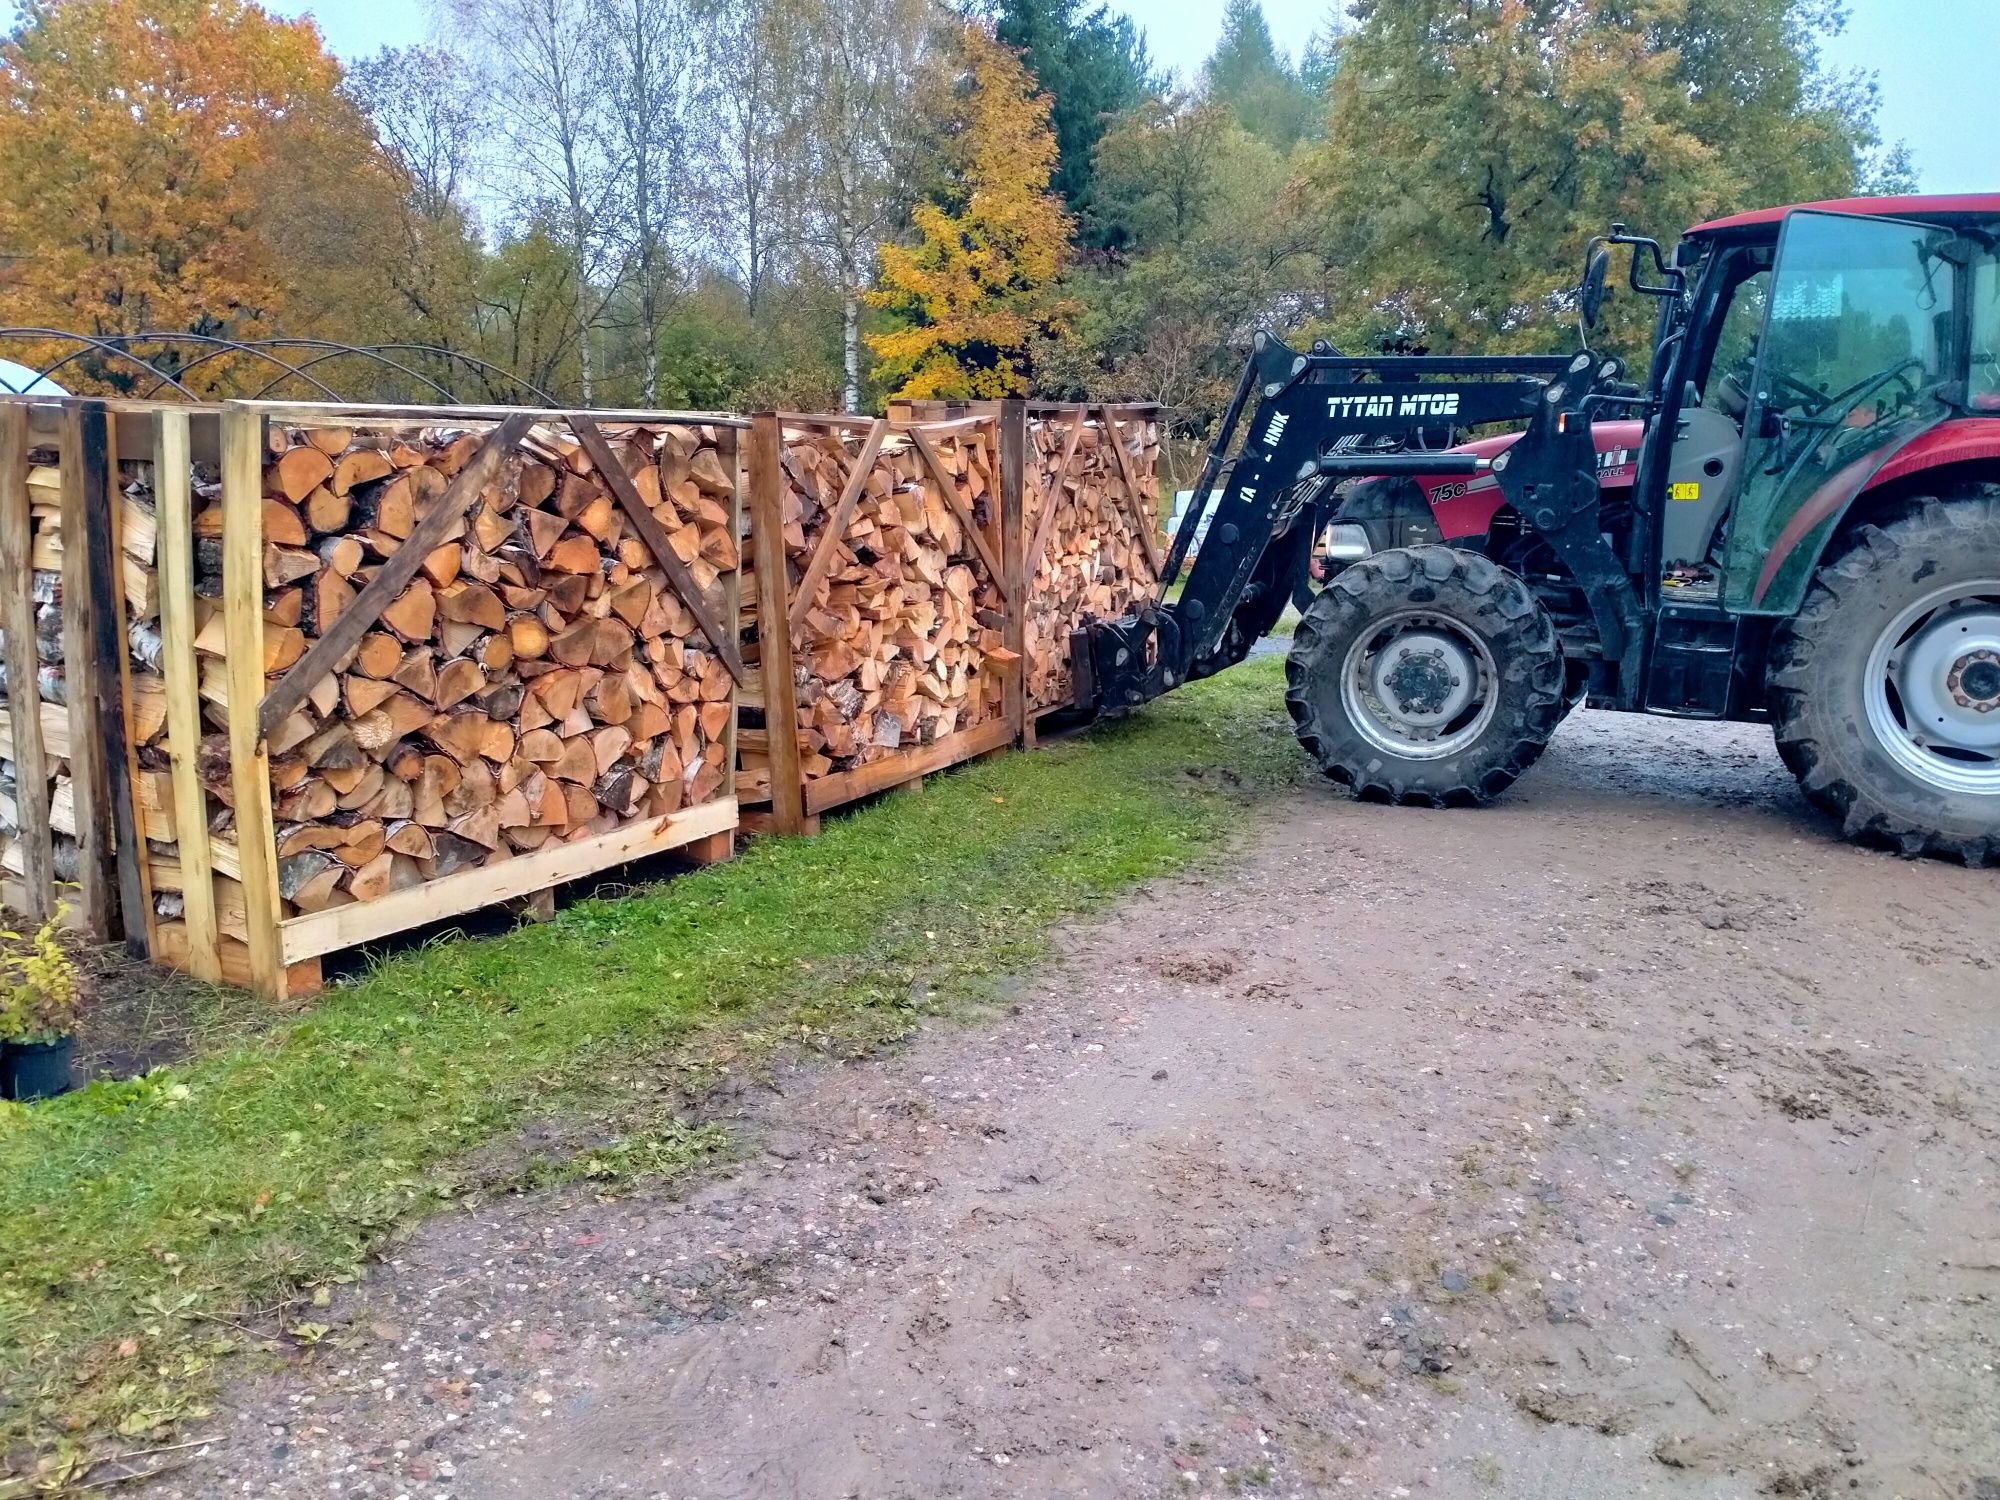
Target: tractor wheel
x=1885 y=686
x=1427 y=676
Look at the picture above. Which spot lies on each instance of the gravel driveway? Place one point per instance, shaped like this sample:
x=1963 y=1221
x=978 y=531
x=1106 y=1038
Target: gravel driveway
x=1633 y=1137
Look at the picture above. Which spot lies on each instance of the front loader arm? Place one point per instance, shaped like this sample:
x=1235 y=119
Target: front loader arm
x=1320 y=418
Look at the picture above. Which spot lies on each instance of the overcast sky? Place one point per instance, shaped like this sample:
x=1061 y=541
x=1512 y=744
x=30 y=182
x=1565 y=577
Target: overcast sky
x=1935 y=60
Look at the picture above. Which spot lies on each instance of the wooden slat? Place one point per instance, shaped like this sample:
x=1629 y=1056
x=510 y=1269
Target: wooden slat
x=349 y=414
x=173 y=504
x=343 y=926
x=243 y=625
x=836 y=524
x=1051 y=497
x=957 y=503
x=114 y=709
x=84 y=484
x=655 y=537
x=1013 y=544
x=774 y=640
x=24 y=697
x=361 y=613
x=729 y=445
x=879 y=775
x=1135 y=504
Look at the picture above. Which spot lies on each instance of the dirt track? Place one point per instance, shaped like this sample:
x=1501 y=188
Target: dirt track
x=1630 y=1138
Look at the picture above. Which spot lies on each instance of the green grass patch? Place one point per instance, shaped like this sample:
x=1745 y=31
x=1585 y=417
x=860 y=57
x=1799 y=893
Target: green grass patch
x=154 y=1226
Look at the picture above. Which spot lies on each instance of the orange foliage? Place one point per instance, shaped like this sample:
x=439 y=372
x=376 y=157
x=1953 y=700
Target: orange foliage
x=136 y=144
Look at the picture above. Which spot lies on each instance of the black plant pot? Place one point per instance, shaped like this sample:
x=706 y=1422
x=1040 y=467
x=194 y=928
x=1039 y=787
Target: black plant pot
x=36 y=1070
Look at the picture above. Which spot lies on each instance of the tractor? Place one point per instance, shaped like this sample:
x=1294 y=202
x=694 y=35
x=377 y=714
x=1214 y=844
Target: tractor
x=1794 y=521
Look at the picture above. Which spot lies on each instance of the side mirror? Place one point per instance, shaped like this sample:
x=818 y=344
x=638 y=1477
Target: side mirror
x=1590 y=296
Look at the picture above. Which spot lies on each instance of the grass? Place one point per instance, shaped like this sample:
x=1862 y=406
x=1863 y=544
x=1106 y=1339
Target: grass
x=149 y=1221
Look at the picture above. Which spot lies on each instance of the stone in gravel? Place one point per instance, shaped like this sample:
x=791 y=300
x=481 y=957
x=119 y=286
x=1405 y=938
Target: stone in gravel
x=1158 y=1074
x=1455 y=1280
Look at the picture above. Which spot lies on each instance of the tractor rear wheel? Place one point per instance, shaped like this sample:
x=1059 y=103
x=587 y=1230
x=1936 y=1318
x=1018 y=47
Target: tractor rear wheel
x=1885 y=686
x=1425 y=675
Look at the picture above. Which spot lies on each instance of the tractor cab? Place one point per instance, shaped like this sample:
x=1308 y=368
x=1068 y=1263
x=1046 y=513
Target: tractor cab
x=1799 y=353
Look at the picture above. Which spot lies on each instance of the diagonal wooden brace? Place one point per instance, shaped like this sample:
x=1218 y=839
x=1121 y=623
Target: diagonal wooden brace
x=836 y=524
x=959 y=508
x=394 y=575
x=655 y=537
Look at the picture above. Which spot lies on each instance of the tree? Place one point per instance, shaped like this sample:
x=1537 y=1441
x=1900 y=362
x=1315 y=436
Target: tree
x=1094 y=68
x=650 y=45
x=1247 y=75
x=1158 y=172
x=973 y=292
x=1221 y=245
x=430 y=116
x=548 y=73
x=855 y=137
x=739 y=135
x=1474 y=148
x=138 y=150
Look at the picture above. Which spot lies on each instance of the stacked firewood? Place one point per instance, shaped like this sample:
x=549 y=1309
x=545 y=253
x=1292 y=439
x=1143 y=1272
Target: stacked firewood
x=537 y=681
x=1092 y=561
x=51 y=687
x=901 y=641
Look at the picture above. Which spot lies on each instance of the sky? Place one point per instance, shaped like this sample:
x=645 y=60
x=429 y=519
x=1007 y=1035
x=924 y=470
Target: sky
x=1934 y=60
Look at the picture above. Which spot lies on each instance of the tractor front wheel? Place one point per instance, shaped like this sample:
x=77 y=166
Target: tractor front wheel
x=1885 y=686
x=1425 y=675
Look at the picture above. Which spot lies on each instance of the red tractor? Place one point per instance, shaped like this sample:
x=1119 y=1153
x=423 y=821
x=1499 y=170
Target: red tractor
x=1797 y=521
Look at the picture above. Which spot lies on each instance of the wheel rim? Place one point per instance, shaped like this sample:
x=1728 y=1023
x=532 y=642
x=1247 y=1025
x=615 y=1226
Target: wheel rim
x=1419 y=685
x=1933 y=689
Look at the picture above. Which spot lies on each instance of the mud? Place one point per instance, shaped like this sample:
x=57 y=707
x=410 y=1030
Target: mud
x=1631 y=1138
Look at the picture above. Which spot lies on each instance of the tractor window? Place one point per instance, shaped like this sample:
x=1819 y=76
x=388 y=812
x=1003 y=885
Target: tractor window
x=1857 y=349
x=1727 y=385
x=1983 y=393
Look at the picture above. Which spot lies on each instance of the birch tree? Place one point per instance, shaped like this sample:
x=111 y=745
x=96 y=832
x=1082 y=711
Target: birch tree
x=739 y=142
x=650 y=49
x=547 y=75
x=854 y=135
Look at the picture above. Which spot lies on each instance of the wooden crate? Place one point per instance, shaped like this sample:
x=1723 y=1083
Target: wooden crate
x=886 y=615
x=340 y=615
x=1094 y=545
x=1043 y=569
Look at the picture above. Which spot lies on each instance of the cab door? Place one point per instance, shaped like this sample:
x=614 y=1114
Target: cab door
x=1859 y=344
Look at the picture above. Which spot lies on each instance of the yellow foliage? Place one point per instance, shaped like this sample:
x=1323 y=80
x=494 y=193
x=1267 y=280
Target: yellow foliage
x=974 y=288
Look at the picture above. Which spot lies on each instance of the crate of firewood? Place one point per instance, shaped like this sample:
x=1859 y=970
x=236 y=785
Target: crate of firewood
x=881 y=624
x=418 y=661
x=1094 y=548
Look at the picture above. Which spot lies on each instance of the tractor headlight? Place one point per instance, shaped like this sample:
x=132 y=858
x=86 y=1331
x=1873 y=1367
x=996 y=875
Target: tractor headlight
x=1348 y=542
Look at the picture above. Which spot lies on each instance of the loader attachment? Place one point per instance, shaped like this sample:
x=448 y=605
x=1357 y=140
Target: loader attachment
x=1319 y=419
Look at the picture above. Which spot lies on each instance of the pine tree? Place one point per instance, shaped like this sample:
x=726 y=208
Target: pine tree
x=1093 y=67
x=976 y=288
x=1253 y=80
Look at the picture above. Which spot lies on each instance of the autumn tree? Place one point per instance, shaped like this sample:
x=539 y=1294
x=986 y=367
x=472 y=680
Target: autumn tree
x=974 y=290
x=141 y=144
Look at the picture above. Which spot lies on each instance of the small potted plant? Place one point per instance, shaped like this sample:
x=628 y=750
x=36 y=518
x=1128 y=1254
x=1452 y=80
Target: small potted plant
x=39 y=998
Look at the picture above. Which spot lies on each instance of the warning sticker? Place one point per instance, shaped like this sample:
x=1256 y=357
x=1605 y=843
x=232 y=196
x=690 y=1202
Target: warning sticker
x=1686 y=490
